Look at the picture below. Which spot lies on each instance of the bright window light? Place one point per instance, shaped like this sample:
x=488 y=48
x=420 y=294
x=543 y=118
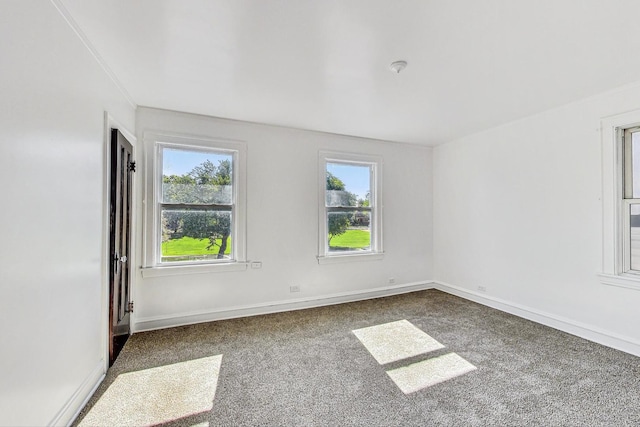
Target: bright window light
x=426 y=373
x=395 y=341
x=158 y=395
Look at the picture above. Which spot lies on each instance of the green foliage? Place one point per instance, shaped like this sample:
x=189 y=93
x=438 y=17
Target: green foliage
x=337 y=195
x=334 y=183
x=366 y=201
x=338 y=222
x=223 y=174
x=178 y=179
x=203 y=224
x=207 y=173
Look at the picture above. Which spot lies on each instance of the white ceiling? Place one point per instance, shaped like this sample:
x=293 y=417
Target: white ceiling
x=323 y=64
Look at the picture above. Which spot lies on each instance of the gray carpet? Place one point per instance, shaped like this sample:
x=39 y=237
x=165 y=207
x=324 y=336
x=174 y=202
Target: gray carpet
x=307 y=368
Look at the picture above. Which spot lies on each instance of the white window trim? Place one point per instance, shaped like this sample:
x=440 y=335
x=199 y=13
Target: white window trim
x=152 y=267
x=376 y=252
x=615 y=228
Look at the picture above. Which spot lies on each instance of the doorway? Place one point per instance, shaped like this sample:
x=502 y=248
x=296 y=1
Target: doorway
x=122 y=167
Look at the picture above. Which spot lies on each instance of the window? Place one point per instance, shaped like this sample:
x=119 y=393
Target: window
x=197 y=214
x=631 y=199
x=350 y=213
x=621 y=200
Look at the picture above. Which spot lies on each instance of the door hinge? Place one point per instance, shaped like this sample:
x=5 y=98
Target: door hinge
x=132 y=166
x=130 y=307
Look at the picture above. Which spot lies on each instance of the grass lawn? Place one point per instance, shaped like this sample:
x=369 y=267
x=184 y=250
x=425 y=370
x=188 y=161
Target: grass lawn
x=191 y=246
x=352 y=239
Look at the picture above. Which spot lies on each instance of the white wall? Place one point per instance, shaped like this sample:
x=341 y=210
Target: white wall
x=517 y=210
x=282 y=226
x=54 y=96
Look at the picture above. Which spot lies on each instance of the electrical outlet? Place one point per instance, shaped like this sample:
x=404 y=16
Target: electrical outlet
x=482 y=288
x=294 y=288
x=256 y=264
x=392 y=281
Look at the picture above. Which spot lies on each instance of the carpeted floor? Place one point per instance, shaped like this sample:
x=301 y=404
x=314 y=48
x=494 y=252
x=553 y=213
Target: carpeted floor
x=308 y=368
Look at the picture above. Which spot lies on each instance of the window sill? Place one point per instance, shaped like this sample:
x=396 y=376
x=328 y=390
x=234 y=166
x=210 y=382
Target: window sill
x=622 y=281
x=336 y=259
x=180 y=270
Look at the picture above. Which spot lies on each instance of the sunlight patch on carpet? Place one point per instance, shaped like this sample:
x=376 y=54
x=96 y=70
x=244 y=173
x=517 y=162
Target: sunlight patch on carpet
x=158 y=395
x=395 y=341
x=424 y=374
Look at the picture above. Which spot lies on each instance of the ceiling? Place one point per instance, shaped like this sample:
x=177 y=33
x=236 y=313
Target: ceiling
x=324 y=64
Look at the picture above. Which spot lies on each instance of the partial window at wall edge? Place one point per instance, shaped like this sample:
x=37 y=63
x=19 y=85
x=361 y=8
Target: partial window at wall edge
x=620 y=138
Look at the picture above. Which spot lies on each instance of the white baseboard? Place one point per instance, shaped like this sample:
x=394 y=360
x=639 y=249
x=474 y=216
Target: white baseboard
x=588 y=332
x=160 y=322
x=74 y=405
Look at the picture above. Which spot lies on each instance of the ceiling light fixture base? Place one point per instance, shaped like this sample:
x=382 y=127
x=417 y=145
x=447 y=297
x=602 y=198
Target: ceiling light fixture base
x=398 y=66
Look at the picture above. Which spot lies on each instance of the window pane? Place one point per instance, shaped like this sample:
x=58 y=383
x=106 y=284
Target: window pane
x=635 y=236
x=191 y=235
x=348 y=185
x=635 y=163
x=196 y=177
x=349 y=231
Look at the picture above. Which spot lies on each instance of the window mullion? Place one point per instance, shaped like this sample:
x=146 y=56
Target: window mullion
x=347 y=208
x=196 y=207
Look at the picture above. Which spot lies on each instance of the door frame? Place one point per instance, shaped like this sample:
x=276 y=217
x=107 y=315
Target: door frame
x=111 y=123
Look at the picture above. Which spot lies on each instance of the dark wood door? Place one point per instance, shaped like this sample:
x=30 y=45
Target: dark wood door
x=120 y=304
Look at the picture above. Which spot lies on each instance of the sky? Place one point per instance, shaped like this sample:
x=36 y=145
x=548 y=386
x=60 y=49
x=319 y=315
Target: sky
x=355 y=178
x=181 y=162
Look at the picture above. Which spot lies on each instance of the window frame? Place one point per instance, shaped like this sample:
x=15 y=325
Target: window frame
x=155 y=143
x=376 y=207
x=617 y=200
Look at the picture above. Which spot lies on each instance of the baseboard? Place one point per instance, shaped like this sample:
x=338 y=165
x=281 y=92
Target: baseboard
x=588 y=332
x=160 y=322
x=80 y=398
